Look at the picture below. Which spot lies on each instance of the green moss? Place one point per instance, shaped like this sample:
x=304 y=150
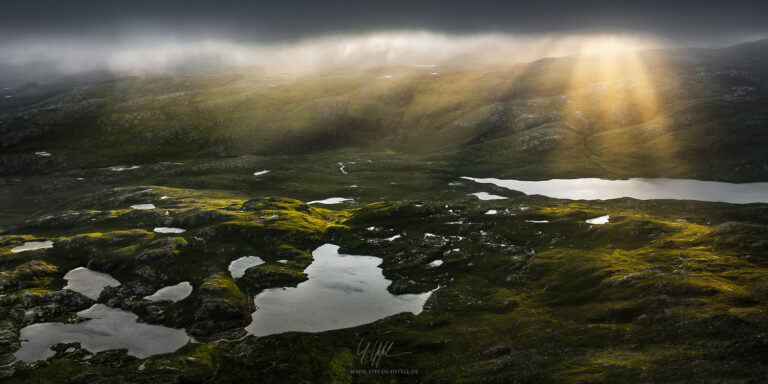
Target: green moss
x=32 y=274
x=562 y=301
x=294 y=216
x=223 y=287
x=340 y=366
x=267 y=276
x=38 y=292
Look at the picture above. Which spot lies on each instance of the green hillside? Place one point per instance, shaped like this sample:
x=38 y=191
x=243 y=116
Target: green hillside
x=671 y=113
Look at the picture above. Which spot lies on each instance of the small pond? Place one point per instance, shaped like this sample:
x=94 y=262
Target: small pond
x=104 y=328
x=342 y=291
x=88 y=283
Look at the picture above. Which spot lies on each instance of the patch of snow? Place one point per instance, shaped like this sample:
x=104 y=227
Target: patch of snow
x=237 y=268
x=537 y=221
x=143 y=206
x=599 y=220
x=393 y=238
x=32 y=245
x=435 y=264
x=491 y=212
x=168 y=230
x=259 y=173
x=173 y=293
x=120 y=168
x=332 y=200
x=341 y=168
x=42 y=154
x=487 y=196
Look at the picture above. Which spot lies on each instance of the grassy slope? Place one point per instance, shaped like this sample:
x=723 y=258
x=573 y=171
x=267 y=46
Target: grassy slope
x=663 y=114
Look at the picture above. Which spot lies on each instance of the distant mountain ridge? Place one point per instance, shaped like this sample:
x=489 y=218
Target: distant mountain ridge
x=675 y=113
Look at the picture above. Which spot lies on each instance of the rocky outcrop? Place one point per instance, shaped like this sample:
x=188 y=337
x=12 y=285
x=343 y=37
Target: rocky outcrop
x=220 y=305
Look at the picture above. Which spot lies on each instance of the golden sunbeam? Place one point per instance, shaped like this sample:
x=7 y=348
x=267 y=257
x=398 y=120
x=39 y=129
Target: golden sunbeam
x=615 y=104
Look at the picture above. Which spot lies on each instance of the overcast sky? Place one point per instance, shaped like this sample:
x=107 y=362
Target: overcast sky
x=690 y=22
x=44 y=37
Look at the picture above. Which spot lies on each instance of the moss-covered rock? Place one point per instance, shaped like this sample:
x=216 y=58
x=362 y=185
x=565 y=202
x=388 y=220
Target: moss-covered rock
x=32 y=274
x=220 y=305
x=261 y=277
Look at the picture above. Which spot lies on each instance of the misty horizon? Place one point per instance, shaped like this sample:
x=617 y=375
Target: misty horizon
x=42 y=59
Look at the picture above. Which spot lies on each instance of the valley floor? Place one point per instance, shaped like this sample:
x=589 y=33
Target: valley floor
x=527 y=289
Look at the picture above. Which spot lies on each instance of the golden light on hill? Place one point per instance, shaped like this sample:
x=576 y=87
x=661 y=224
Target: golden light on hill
x=613 y=98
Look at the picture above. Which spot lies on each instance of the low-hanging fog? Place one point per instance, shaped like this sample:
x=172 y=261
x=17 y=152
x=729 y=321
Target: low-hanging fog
x=146 y=54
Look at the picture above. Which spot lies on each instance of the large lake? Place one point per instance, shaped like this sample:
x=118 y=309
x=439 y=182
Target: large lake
x=638 y=188
x=342 y=291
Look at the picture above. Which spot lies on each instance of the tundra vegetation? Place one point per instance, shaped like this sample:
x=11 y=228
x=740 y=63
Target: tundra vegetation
x=665 y=291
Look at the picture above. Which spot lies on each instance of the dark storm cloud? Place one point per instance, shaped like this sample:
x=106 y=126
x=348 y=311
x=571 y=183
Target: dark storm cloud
x=702 y=21
x=43 y=39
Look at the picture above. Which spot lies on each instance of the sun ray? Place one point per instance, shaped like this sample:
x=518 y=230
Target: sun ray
x=615 y=104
